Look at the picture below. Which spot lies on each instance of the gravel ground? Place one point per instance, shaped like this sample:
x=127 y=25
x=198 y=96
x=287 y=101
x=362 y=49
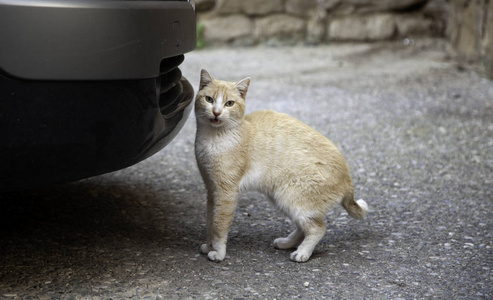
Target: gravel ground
x=416 y=130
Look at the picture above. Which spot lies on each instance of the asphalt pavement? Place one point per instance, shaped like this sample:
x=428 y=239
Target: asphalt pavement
x=416 y=130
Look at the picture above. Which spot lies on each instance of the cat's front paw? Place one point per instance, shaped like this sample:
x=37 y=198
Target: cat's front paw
x=215 y=256
x=300 y=256
x=204 y=249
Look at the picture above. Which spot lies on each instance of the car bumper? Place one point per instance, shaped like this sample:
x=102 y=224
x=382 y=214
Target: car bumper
x=92 y=39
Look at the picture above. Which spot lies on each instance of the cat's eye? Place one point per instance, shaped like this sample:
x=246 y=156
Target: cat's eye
x=229 y=103
x=209 y=99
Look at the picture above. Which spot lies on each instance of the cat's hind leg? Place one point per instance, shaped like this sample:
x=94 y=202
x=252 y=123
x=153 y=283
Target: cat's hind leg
x=313 y=231
x=291 y=241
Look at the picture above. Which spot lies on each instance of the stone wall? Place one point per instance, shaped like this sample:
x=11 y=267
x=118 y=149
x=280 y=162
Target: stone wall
x=249 y=22
x=470 y=30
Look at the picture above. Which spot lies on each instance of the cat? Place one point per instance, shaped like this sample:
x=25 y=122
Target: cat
x=303 y=173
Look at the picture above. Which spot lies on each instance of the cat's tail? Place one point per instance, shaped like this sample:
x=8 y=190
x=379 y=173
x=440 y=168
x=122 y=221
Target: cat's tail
x=356 y=209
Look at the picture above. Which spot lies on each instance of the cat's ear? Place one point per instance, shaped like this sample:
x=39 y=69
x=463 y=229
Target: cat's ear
x=242 y=86
x=205 y=78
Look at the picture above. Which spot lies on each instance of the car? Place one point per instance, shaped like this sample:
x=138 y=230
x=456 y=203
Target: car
x=89 y=87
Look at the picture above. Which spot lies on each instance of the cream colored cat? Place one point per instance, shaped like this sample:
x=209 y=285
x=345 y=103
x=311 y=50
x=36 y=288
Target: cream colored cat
x=303 y=173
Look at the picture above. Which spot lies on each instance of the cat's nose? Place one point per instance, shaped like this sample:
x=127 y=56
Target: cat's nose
x=216 y=113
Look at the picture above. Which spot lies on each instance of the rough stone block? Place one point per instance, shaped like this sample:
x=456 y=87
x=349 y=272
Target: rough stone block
x=303 y=8
x=279 y=26
x=454 y=20
x=344 y=9
x=262 y=7
x=315 y=27
x=329 y=4
x=225 y=7
x=227 y=29
x=487 y=49
x=249 y=7
x=413 y=24
x=362 y=28
x=468 y=40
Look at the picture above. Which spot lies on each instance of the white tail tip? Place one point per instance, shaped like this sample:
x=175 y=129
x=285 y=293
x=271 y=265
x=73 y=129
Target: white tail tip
x=363 y=205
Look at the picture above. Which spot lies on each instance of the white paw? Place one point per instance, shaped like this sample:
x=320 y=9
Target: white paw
x=300 y=256
x=204 y=249
x=282 y=243
x=215 y=256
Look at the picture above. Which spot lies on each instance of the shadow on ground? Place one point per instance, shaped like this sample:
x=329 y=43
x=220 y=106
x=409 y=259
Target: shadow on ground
x=79 y=232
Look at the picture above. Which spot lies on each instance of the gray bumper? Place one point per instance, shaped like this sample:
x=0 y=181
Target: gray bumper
x=92 y=40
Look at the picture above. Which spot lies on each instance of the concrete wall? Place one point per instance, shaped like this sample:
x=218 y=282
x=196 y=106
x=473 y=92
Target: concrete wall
x=470 y=30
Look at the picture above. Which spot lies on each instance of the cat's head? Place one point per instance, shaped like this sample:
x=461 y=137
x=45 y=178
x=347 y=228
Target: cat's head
x=220 y=104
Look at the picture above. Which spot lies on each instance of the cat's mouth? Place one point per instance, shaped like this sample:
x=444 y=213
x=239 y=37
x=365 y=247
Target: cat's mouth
x=215 y=121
